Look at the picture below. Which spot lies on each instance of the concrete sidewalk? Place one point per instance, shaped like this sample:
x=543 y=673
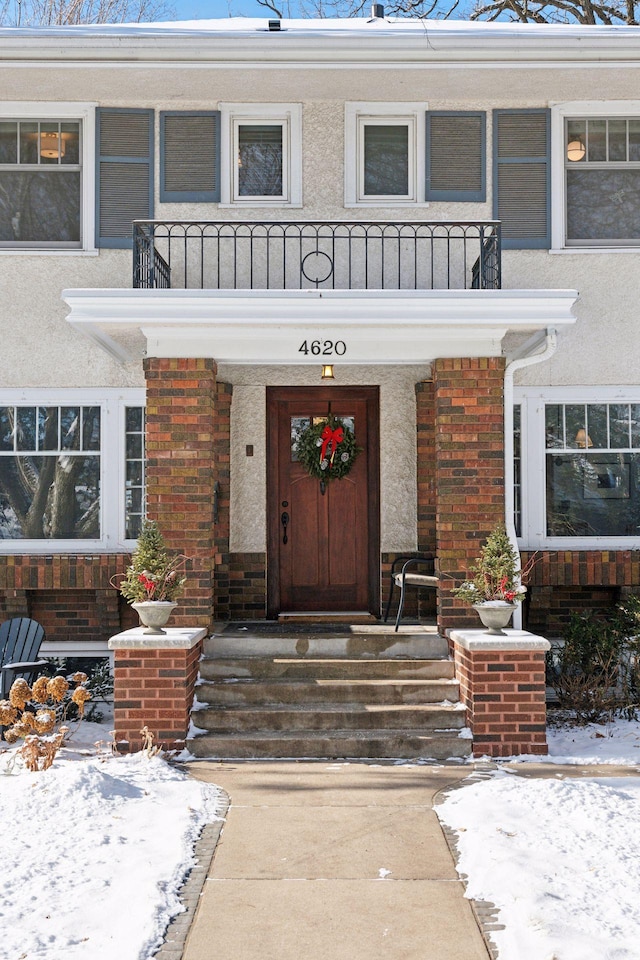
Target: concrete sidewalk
x=332 y=861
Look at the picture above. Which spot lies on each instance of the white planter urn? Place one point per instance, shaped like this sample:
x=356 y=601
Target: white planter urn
x=495 y=614
x=154 y=615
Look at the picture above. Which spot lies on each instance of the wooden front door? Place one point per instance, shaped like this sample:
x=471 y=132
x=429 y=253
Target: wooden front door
x=327 y=558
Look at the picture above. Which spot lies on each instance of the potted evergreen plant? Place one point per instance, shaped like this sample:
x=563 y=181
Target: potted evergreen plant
x=153 y=579
x=495 y=585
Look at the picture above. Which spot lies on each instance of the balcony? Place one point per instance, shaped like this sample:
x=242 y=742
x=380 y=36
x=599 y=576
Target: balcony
x=320 y=255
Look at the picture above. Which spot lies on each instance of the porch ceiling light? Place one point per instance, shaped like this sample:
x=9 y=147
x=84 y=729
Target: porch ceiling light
x=327 y=371
x=583 y=439
x=576 y=150
x=52 y=146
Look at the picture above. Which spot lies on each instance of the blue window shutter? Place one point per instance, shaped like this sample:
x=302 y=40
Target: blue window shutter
x=522 y=177
x=124 y=175
x=190 y=156
x=456 y=150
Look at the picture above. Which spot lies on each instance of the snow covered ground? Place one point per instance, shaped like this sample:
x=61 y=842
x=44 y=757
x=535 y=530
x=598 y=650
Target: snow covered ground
x=559 y=857
x=94 y=850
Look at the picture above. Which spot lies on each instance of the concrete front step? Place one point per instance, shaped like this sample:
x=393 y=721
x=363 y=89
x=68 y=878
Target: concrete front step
x=375 y=645
x=260 y=692
x=339 y=668
x=339 y=744
x=425 y=717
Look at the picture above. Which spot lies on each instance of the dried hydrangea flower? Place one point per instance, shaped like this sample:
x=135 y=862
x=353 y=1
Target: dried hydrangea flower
x=80 y=697
x=10 y=735
x=45 y=721
x=8 y=713
x=79 y=677
x=56 y=688
x=20 y=693
x=39 y=690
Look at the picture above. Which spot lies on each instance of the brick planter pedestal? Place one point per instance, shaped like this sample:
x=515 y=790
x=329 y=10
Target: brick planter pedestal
x=154 y=681
x=502 y=684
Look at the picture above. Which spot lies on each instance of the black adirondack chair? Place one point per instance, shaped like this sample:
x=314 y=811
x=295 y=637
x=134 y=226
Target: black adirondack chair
x=20 y=640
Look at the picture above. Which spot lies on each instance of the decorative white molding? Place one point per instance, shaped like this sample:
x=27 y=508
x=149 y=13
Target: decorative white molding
x=175 y=638
x=269 y=326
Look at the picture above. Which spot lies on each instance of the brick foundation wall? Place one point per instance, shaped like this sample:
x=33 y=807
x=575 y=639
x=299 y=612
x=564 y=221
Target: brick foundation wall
x=504 y=692
x=469 y=470
x=572 y=581
x=247 y=586
x=154 y=687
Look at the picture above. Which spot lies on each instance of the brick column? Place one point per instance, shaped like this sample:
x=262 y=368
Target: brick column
x=502 y=684
x=469 y=470
x=188 y=443
x=154 y=681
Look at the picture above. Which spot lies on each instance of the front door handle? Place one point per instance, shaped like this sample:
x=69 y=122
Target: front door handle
x=284 y=520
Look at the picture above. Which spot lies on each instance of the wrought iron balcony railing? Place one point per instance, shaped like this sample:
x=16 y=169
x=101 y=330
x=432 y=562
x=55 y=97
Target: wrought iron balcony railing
x=338 y=255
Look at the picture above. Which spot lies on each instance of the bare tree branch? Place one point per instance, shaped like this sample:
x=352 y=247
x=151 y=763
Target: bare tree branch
x=49 y=13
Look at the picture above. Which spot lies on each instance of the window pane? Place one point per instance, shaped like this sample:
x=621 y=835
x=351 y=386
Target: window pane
x=70 y=143
x=517 y=470
x=576 y=141
x=576 y=425
x=25 y=428
x=554 y=425
x=593 y=494
x=298 y=426
x=619 y=426
x=69 y=488
x=49 y=144
x=634 y=139
x=603 y=204
x=596 y=427
x=597 y=140
x=134 y=447
x=635 y=424
x=386 y=160
x=617 y=139
x=39 y=207
x=260 y=158
x=134 y=420
x=70 y=428
x=91 y=428
x=8 y=142
x=7 y=425
x=47 y=428
x=28 y=142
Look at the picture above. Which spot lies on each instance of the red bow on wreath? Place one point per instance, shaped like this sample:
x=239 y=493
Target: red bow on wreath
x=331 y=439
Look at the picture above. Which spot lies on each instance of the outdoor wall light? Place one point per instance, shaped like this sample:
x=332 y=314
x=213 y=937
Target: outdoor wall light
x=576 y=150
x=327 y=371
x=51 y=146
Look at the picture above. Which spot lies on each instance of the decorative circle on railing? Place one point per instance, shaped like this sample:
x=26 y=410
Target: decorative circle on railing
x=317 y=266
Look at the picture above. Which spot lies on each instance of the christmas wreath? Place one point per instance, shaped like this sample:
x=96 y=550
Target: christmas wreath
x=327 y=450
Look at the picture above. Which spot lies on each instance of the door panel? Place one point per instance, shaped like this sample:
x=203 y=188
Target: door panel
x=330 y=560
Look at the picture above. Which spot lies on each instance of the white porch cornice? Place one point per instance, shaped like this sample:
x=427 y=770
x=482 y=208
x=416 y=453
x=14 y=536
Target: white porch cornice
x=269 y=326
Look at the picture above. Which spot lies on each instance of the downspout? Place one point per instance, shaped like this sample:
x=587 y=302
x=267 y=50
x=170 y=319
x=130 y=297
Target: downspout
x=523 y=358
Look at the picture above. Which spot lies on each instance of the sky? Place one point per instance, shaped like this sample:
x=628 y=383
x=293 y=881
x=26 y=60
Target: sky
x=217 y=9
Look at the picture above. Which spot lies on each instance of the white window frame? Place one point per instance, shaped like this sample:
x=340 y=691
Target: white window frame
x=357 y=115
x=85 y=113
x=578 y=110
x=113 y=404
x=234 y=115
x=532 y=401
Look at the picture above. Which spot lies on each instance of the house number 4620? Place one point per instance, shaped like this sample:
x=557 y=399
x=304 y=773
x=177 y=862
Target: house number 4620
x=323 y=348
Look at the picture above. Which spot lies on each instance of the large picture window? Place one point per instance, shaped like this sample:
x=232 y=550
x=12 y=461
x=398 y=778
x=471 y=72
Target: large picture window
x=71 y=472
x=579 y=469
x=40 y=183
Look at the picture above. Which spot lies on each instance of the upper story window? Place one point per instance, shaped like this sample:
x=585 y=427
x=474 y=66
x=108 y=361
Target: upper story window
x=71 y=470
x=46 y=176
x=40 y=182
x=384 y=153
x=581 y=468
x=261 y=154
x=602 y=169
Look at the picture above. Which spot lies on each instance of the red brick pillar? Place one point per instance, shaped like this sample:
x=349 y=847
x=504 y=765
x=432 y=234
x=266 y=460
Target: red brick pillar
x=188 y=452
x=502 y=684
x=153 y=684
x=469 y=471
